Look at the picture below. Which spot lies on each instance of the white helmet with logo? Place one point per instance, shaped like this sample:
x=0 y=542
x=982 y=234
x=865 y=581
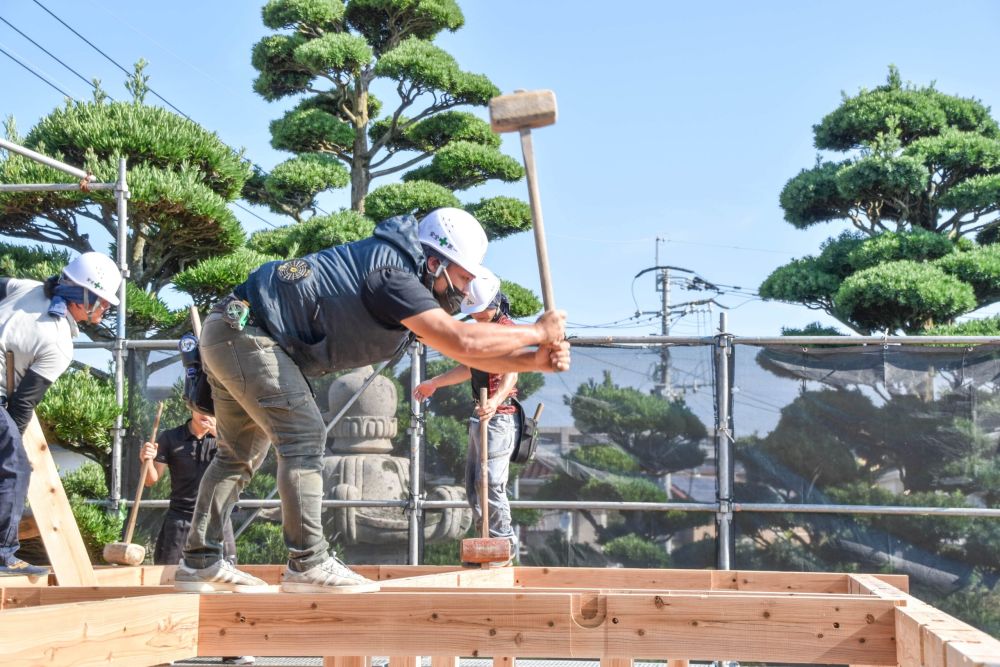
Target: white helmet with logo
x=457 y=236
x=482 y=291
x=96 y=272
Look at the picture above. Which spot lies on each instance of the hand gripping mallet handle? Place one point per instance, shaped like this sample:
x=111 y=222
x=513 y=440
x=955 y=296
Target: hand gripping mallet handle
x=142 y=479
x=520 y=112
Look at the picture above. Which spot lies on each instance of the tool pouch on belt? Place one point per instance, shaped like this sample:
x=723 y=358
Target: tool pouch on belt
x=197 y=391
x=526 y=441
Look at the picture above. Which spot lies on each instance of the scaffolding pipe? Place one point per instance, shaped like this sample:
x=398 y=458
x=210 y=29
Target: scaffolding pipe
x=723 y=448
x=416 y=432
x=46 y=160
x=121 y=199
x=56 y=187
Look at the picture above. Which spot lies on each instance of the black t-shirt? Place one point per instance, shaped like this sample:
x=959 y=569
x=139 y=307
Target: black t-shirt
x=392 y=295
x=187 y=457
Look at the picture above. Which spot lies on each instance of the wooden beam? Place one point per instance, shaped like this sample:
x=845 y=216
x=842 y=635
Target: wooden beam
x=347 y=661
x=53 y=516
x=616 y=662
x=500 y=577
x=404 y=661
x=150 y=630
x=18 y=598
x=445 y=661
x=480 y=624
x=504 y=661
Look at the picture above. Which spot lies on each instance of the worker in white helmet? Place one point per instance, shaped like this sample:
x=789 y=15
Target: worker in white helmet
x=343 y=307
x=38 y=322
x=486 y=303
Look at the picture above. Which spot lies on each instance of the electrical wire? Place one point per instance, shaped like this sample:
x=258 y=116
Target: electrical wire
x=57 y=88
x=151 y=90
x=48 y=53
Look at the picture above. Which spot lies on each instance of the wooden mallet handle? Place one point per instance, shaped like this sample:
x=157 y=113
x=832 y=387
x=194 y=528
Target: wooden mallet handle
x=484 y=469
x=142 y=479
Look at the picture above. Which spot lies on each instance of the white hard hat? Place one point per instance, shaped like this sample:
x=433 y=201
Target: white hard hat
x=457 y=236
x=482 y=291
x=96 y=272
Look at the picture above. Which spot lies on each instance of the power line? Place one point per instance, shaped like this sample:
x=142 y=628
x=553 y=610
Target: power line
x=48 y=53
x=58 y=89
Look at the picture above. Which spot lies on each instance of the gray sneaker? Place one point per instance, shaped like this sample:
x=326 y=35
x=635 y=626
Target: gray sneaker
x=330 y=576
x=219 y=576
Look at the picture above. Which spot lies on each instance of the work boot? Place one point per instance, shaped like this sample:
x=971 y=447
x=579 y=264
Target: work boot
x=219 y=576
x=330 y=576
x=15 y=567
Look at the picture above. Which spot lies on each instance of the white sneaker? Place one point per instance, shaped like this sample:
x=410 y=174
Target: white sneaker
x=219 y=576
x=330 y=576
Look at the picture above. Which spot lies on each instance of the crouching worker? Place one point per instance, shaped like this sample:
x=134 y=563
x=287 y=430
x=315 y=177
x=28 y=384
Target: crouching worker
x=38 y=322
x=486 y=303
x=343 y=307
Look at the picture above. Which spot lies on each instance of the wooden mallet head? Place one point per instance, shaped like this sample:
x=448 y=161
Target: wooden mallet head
x=524 y=109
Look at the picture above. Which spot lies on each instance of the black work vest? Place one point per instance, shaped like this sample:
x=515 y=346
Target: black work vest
x=312 y=306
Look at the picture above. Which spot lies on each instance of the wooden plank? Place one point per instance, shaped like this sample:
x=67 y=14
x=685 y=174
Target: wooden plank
x=617 y=577
x=404 y=661
x=501 y=577
x=50 y=507
x=150 y=630
x=752 y=628
x=347 y=661
x=32 y=597
x=384 y=572
x=119 y=575
x=678 y=663
x=504 y=660
x=445 y=661
x=909 y=646
x=868 y=584
x=982 y=653
x=28 y=528
x=616 y=662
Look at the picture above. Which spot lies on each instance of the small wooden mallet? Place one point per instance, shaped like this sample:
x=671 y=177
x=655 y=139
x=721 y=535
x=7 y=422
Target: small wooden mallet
x=485 y=549
x=126 y=553
x=520 y=112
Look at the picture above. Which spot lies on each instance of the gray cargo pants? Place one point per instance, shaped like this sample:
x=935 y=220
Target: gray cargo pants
x=261 y=397
x=500 y=443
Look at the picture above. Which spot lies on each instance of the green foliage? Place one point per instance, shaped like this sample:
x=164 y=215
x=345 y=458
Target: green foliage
x=461 y=165
x=34 y=263
x=80 y=410
x=416 y=197
x=261 y=543
x=97 y=526
x=605 y=457
x=921 y=175
x=811 y=329
x=523 y=302
x=211 y=279
x=902 y=295
x=442 y=553
x=663 y=435
x=979 y=267
x=987 y=326
x=335 y=52
x=383 y=22
x=313 y=235
x=635 y=551
x=502 y=216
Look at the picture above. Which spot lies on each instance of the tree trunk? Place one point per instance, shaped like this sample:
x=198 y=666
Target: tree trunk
x=360 y=176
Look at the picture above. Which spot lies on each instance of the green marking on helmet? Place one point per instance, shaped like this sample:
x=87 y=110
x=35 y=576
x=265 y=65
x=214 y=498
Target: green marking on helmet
x=444 y=241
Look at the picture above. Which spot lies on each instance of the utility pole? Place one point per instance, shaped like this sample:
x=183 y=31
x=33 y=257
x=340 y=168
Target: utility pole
x=663 y=285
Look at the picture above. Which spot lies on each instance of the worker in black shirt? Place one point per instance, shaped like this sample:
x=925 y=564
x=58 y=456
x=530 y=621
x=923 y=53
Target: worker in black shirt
x=186 y=452
x=343 y=307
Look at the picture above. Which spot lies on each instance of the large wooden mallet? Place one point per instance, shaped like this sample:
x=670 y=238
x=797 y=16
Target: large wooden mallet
x=519 y=112
x=126 y=553
x=485 y=550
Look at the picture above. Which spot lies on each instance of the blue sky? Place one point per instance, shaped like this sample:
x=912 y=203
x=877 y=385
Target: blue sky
x=676 y=120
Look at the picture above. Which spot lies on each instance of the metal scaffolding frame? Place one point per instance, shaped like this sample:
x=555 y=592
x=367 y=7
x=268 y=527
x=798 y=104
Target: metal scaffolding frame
x=89 y=183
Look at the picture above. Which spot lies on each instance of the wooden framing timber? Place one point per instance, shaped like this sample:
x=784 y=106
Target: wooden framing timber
x=134 y=617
